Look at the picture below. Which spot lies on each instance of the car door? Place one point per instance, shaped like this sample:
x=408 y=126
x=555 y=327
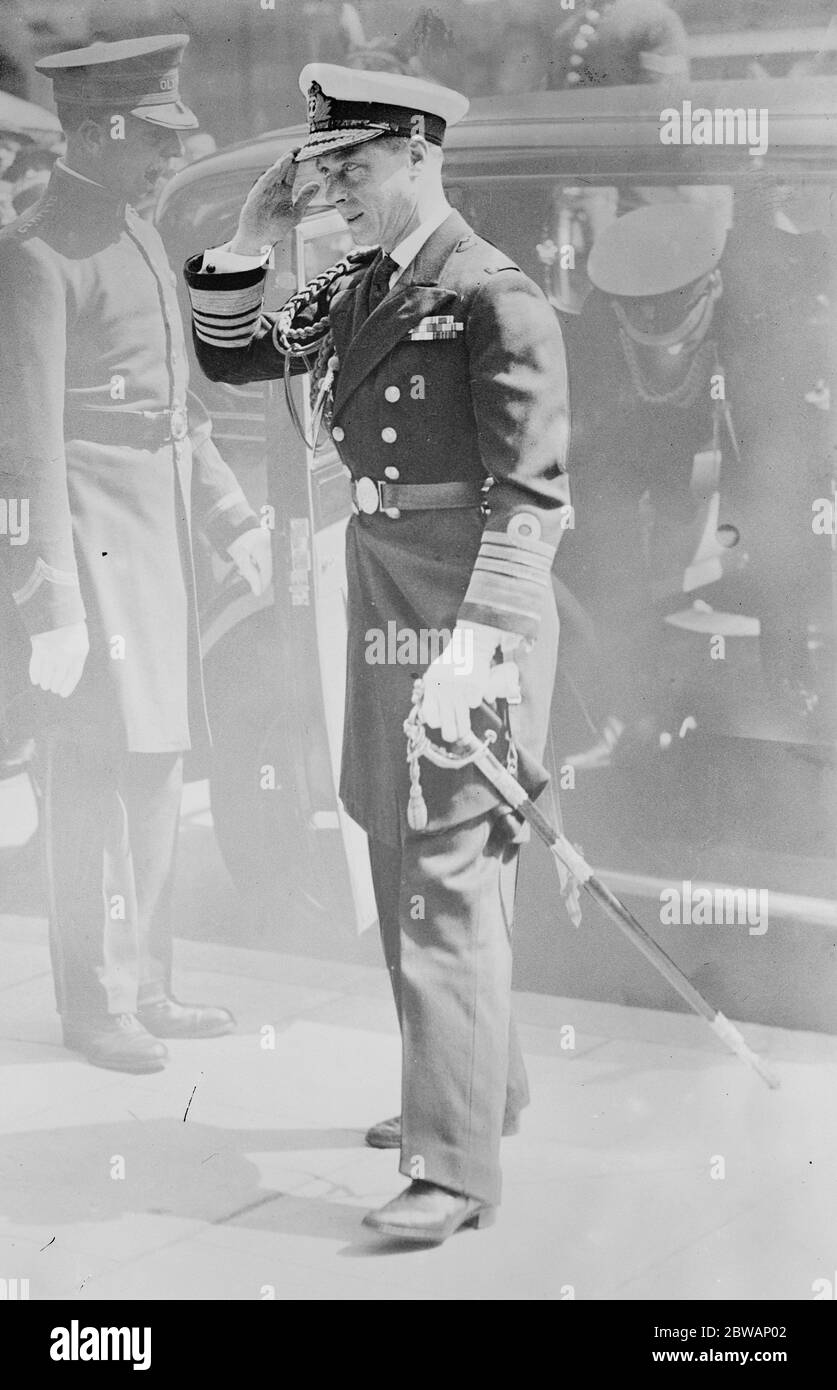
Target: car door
x=314 y=593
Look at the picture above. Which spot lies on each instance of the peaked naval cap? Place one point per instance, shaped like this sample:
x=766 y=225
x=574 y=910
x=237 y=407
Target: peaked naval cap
x=349 y=106
x=138 y=75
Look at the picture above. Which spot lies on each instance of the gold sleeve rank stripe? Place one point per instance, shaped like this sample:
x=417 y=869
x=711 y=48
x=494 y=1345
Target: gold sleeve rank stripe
x=231 y=333
x=227 y=318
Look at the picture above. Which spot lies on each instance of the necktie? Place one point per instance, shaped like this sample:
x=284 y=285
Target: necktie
x=382 y=270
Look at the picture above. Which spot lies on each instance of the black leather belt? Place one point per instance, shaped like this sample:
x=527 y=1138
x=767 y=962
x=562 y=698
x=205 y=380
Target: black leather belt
x=370 y=496
x=138 y=429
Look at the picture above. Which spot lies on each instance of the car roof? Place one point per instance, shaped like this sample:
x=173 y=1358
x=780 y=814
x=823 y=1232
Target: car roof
x=614 y=129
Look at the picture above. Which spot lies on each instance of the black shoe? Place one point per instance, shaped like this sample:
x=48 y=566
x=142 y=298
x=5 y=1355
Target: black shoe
x=428 y=1214
x=117 y=1041
x=387 y=1133
x=170 y=1019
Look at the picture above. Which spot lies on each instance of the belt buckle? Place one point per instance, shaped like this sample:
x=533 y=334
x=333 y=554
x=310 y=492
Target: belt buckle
x=179 y=422
x=368 y=496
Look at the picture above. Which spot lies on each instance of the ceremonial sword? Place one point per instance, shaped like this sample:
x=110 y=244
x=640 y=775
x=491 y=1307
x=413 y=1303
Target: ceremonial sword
x=478 y=752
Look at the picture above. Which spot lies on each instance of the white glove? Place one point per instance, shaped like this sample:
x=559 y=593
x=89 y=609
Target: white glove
x=253 y=558
x=459 y=679
x=58 y=658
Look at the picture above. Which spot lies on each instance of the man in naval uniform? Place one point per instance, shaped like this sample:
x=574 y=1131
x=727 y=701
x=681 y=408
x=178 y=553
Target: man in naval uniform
x=98 y=438
x=448 y=371
x=642 y=356
x=676 y=391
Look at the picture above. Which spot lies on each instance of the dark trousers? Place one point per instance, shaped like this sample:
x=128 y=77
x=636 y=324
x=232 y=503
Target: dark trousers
x=445 y=903
x=110 y=832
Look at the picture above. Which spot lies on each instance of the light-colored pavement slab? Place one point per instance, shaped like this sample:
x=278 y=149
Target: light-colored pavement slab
x=651 y=1165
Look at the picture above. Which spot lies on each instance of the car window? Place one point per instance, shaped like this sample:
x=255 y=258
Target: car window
x=532 y=219
x=700 y=465
x=323 y=249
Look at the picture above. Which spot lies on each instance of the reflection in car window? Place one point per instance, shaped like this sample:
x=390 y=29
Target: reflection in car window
x=322 y=251
x=699 y=435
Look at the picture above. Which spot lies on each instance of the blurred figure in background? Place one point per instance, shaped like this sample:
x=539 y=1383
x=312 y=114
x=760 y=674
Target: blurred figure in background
x=522 y=59
x=621 y=44
x=698 y=371
x=625 y=42
x=641 y=358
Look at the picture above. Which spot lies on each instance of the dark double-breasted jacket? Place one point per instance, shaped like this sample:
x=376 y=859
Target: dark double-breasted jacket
x=458 y=375
x=96 y=442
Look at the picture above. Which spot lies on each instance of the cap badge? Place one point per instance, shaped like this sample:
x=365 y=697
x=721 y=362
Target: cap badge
x=319 y=106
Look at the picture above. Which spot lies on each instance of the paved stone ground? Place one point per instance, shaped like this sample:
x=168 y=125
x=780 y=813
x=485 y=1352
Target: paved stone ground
x=246 y=1174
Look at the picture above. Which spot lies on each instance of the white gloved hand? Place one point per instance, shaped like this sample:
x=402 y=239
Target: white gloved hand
x=253 y=558
x=462 y=676
x=58 y=658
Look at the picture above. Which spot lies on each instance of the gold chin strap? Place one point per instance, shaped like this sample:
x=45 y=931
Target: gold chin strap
x=694 y=325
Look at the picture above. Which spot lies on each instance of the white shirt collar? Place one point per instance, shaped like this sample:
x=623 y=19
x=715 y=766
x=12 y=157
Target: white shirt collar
x=407 y=250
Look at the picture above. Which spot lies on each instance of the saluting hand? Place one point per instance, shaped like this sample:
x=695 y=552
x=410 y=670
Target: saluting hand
x=273 y=205
x=58 y=658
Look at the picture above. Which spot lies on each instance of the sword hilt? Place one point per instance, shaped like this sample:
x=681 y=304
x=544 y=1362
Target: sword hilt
x=420 y=745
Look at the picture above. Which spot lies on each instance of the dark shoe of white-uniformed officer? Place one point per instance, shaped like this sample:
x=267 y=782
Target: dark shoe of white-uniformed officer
x=169 y=1018
x=427 y=1214
x=116 y=1041
x=386 y=1134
